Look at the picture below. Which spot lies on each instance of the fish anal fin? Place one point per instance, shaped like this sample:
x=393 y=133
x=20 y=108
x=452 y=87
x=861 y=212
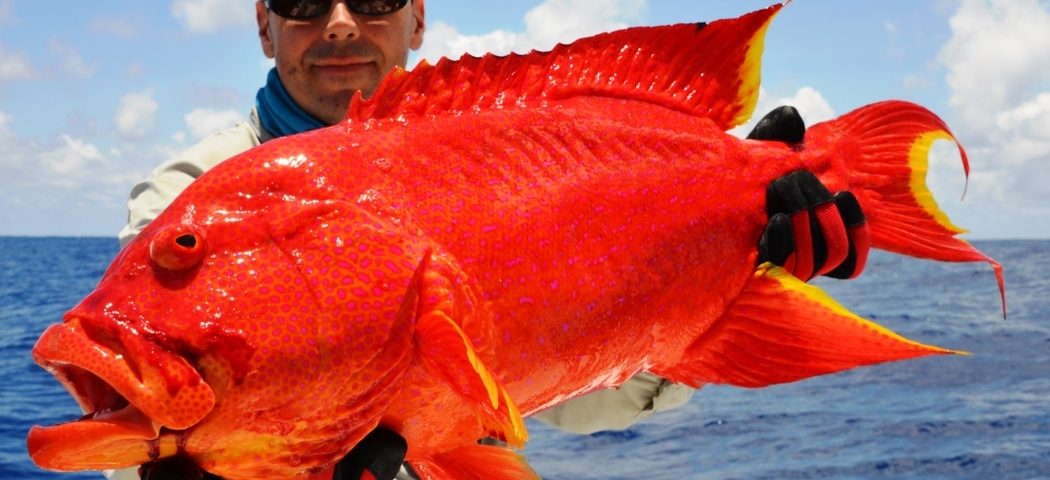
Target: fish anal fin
x=704 y=69
x=781 y=330
x=475 y=461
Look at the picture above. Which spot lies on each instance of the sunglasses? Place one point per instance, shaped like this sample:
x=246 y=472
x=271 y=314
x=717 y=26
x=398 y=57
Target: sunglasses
x=307 y=9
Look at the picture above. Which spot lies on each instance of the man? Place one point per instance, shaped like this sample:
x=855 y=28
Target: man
x=333 y=50
x=325 y=51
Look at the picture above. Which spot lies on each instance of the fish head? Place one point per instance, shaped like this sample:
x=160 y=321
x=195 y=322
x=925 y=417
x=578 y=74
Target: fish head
x=258 y=317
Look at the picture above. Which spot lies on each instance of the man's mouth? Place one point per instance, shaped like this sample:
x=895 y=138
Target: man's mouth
x=133 y=407
x=343 y=67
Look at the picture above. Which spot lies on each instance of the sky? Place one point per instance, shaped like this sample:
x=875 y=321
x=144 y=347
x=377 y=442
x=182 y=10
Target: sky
x=94 y=95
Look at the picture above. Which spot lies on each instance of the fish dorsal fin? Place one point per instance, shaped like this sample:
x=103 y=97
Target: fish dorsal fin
x=779 y=330
x=708 y=70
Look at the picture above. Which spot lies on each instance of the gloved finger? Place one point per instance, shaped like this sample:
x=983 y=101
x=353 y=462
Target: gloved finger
x=378 y=456
x=835 y=238
x=784 y=195
x=803 y=232
x=777 y=242
x=859 y=237
x=782 y=124
x=795 y=192
x=803 y=196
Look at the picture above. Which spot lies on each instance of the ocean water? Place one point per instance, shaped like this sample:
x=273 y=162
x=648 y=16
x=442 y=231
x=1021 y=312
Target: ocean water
x=984 y=416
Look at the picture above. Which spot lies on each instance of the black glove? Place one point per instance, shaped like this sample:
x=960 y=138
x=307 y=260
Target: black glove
x=809 y=232
x=378 y=456
x=174 y=468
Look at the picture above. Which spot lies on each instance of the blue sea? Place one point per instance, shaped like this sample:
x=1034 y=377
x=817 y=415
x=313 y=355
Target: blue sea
x=984 y=416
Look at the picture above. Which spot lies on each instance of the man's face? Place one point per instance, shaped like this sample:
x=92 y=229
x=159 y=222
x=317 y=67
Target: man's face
x=324 y=60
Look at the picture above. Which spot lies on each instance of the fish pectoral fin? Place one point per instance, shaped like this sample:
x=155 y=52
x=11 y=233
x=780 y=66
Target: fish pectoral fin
x=779 y=330
x=447 y=352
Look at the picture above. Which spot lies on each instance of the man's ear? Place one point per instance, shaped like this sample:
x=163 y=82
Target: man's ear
x=419 y=15
x=262 y=18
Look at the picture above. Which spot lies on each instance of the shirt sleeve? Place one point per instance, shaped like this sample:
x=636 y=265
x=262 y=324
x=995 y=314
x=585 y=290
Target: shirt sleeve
x=151 y=196
x=617 y=408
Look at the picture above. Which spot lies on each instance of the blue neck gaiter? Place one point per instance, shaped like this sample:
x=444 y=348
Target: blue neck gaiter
x=278 y=112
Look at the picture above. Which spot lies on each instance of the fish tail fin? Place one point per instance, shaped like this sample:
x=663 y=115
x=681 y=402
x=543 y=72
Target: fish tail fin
x=886 y=147
x=474 y=462
x=780 y=329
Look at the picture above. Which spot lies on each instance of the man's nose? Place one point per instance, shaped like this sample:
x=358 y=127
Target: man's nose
x=341 y=23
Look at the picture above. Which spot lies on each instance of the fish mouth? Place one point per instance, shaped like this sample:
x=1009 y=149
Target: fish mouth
x=137 y=398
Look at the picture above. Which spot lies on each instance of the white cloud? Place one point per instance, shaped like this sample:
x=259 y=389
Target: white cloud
x=444 y=40
x=205 y=121
x=565 y=20
x=997 y=56
x=14 y=65
x=5 y=120
x=68 y=185
x=999 y=78
x=10 y=147
x=136 y=114
x=807 y=100
x=69 y=160
x=209 y=15
x=70 y=60
x=547 y=24
x=1021 y=140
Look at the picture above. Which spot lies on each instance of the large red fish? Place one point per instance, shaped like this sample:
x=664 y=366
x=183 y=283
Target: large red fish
x=481 y=240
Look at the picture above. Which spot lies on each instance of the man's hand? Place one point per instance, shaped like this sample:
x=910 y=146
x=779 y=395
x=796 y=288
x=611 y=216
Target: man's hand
x=810 y=232
x=378 y=456
x=174 y=468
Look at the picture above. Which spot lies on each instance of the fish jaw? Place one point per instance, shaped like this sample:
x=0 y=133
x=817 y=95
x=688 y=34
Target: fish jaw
x=137 y=397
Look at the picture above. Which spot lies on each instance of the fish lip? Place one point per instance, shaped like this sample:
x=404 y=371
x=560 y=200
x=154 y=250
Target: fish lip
x=102 y=373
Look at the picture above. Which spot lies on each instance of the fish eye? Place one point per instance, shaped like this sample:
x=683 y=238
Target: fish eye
x=178 y=247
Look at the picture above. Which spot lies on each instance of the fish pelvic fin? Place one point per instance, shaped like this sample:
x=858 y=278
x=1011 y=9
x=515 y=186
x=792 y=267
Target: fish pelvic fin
x=886 y=148
x=475 y=461
x=780 y=329
x=705 y=69
x=448 y=352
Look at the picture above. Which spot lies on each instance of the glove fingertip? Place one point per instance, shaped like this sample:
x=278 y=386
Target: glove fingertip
x=812 y=188
x=849 y=208
x=857 y=259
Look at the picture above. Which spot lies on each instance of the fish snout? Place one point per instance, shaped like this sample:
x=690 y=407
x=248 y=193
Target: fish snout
x=160 y=383
x=128 y=387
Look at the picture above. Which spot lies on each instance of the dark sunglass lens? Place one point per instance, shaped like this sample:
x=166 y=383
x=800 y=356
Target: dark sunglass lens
x=299 y=9
x=376 y=7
